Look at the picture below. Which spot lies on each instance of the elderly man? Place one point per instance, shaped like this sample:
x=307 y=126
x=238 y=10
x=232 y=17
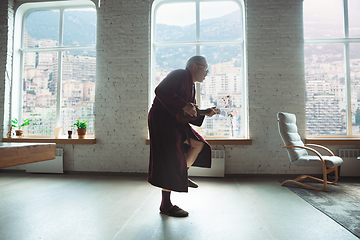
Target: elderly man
x=174 y=145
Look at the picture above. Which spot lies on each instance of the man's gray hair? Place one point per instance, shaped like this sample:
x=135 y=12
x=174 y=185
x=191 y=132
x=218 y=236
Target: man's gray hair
x=194 y=59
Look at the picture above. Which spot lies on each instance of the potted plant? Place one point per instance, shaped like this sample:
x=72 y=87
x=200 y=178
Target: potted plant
x=17 y=124
x=81 y=128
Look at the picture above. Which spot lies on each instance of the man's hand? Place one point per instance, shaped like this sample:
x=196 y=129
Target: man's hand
x=211 y=112
x=190 y=109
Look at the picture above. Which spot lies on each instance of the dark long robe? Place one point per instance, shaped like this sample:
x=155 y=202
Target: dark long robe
x=167 y=165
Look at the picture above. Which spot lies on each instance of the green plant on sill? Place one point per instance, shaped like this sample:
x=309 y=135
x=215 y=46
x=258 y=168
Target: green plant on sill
x=80 y=124
x=17 y=124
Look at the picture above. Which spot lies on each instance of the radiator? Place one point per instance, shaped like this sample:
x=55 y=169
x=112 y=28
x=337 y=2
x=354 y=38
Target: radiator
x=217 y=167
x=49 y=166
x=351 y=165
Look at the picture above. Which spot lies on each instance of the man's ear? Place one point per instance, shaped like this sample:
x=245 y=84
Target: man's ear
x=194 y=67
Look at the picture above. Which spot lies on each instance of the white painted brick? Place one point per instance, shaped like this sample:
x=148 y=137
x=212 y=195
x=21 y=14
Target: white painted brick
x=6 y=38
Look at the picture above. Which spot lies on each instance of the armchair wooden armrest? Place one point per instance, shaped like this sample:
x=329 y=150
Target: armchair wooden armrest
x=309 y=149
x=322 y=147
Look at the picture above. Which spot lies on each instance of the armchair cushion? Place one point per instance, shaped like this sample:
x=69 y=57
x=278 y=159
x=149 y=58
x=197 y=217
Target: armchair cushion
x=288 y=132
x=330 y=161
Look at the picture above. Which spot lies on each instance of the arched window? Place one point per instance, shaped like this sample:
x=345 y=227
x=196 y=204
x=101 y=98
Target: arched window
x=215 y=30
x=332 y=67
x=54 y=65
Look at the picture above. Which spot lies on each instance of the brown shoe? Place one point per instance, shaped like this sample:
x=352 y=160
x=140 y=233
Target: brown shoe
x=175 y=211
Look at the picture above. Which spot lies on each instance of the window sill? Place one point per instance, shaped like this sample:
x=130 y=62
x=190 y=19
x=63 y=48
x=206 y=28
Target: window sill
x=333 y=141
x=222 y=141
x=88 y=140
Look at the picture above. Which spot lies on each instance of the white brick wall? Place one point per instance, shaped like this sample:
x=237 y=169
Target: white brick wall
x=121 y=89
x=275 y=80
x=6 y=29
x=276 y=83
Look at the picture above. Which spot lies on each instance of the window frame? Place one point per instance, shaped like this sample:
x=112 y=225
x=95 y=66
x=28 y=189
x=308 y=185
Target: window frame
x=19 y=51
x=197 y=44
x=346 y=40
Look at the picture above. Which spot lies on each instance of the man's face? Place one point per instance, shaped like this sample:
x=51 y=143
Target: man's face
x=201 y=70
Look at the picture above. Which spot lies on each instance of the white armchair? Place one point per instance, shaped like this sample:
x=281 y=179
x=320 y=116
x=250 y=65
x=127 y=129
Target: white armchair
x=298 y=153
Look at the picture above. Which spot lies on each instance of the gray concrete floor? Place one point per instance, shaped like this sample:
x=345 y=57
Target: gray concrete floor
x=102 y=207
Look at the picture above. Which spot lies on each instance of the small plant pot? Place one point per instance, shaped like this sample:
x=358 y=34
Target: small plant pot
x=81 y=133
x=19 y=133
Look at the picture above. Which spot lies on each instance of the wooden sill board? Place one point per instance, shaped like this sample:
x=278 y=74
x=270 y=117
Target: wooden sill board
x=13 y=154
x=222 y=141
x=52 y=140
x=333 y=141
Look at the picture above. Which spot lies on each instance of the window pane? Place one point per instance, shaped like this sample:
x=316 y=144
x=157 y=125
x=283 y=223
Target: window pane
x=354 y=18
x=41 y=29
x=78 y=90
x=79 y=27
x=325 y=89
x=355 y=86
x=223 y=88
x=171 y=58
x=323 y=19
x=175 y=22
x=39 y=91
x=220 y=21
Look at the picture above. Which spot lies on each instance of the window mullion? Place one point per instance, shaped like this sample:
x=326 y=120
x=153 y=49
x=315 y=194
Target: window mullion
x=333 y=40
x=348 y=89
x=197 y=39
x=20 y=95
x=59 y=83
x=48 y=49
x=197 y=43
x=19 y=89
x=346 y=18
x=197 y=84
x=347 y=70
x=197 y=27
x=61 y=27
